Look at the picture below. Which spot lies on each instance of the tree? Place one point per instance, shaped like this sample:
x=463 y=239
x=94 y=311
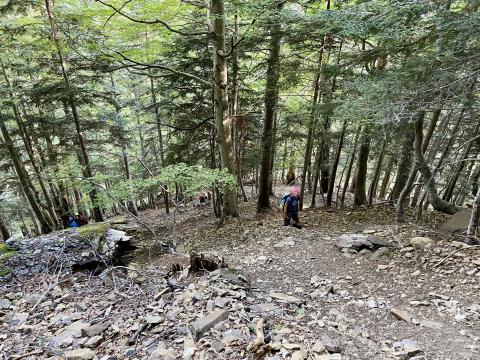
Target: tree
x=271 y=98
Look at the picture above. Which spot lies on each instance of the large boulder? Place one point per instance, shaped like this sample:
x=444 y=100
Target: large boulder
x=66 y=249
x=359 y=242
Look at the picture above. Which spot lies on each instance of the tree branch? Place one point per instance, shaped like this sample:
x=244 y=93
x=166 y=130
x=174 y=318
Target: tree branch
x=148 y=22
x=163 y=67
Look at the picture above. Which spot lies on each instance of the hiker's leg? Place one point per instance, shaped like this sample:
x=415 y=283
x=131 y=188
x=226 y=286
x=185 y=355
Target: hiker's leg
x=286 y=221
x=296 y=221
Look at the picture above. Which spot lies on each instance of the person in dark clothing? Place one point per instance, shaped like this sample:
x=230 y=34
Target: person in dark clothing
x=290 y=210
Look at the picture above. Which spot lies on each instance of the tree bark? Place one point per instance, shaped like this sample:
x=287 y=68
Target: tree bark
x=234 y=113
x=447 y=196
x=405 y=164
x=474 y=218
x=350 y=166
x=437 y=203
x=29 y=148
x=271 y=98
x=361 y=172
x=313 y=119
x=22 y=177
x=386 y=178
x=4 y=232
x=376 y=174
x=333 y=171
x=222 y=119
x=76 y=118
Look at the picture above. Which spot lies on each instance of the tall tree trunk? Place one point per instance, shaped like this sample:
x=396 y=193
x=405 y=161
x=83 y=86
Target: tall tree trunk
x=271 y=97
x=361 y=171
x=234 y=113
x=158 y=119
x=474 y=218
x=376 y=174
x=272 y=160
x=4 y=232
x=29 y=147
x=404 y=194
x=22 y=177
x=313 y=119
x=386 y=178
x=76 y=118
x=350 y=166
x=447 y=196
x=437 y=203
x=333 y=172
x=222 y=119
x=405 y=164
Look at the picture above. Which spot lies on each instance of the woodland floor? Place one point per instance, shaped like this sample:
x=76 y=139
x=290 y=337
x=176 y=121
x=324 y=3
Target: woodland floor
x=347 y=298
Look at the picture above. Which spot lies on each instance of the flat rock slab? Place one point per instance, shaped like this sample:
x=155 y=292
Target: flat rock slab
x=457 y=223
x=96 y=329
x=80 y=354
x=420 y=241
x=201 y=326
x=401 y=314
x=354 y=241
x=75 y=247
x=286 y=298
x=74 y=330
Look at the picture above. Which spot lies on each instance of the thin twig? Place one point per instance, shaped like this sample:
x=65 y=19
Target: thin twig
x=474 y=247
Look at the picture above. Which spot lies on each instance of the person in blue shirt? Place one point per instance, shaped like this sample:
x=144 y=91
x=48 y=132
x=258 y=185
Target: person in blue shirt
x=290 y=209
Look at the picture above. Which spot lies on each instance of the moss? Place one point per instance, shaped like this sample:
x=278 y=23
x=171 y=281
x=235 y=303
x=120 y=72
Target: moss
x=92 y=230
x=6 y=252
x=4 y=248
x=4 y=271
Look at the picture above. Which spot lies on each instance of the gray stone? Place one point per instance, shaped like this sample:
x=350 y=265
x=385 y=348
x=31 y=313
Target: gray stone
x=201 y=326
x=354 y=241
x=420 y=242
x=73 y=330
x=406 y=347
x=286 y=298
x=18 y=318
x=96 y=329
x=318 y=347
x=153 y=319
x=94 y=341
x=129 y=352
x=401 y=314
x=188 y=349
x=80 y=354
x=431 y=324
x=218 y=346
x=330 y=345
x=5 y=304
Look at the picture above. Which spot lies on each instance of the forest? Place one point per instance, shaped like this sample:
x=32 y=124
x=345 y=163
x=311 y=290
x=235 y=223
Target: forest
x=145 y=145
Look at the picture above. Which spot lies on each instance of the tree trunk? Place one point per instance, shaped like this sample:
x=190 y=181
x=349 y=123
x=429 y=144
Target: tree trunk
x=350 y=166
x=361 y=171
x=405 y=164
x=4 y=232
x=158 y=119
x=473 y=223
x=313 y=119
x=271 y=97
x=376 y=174
x=22 y=177
x=437 y=203
x=76 y=118
x=29 y=148
x=447 y=196
x=333 y=172
x=386 y=178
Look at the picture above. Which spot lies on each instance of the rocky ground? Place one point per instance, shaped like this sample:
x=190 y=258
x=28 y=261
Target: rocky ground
x=349 y=285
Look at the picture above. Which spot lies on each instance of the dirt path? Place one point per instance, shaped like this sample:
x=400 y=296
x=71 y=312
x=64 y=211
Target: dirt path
x=441 y=305
x=317 y=302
